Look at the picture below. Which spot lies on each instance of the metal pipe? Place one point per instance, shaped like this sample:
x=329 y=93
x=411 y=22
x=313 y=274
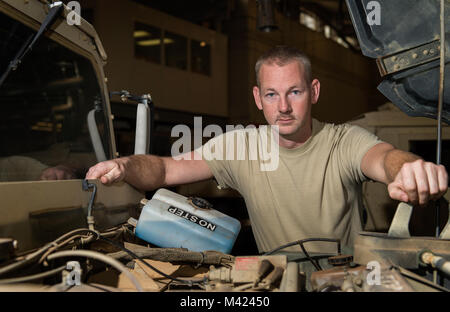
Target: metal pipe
x=439 y=115
x=101 y=257
x=441 y=100
x=290 y=281
x=435 y=261
x=32 y=277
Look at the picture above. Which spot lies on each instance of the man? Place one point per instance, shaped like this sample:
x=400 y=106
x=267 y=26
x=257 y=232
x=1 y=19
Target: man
x=316 y=189
x=23 y=168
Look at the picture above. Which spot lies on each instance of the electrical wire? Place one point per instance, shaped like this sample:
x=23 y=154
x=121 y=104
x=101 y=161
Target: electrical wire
x=28 y=259
x=46 y=252
x=315 y=263
x=301 y=242
x=32 y=277
x=98 y=256
x=70 y=239
x=31 y=257
x=87 y=240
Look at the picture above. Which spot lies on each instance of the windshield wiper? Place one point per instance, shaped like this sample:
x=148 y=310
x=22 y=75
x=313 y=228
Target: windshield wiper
x=55 y=11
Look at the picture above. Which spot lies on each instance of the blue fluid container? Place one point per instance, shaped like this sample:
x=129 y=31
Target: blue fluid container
x=172 y=220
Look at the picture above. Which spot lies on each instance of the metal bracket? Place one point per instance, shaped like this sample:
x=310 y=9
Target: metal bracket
x=400 y=223
x=86 y=186
x=410 y=58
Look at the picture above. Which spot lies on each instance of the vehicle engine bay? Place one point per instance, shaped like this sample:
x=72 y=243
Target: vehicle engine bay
x=81 y=236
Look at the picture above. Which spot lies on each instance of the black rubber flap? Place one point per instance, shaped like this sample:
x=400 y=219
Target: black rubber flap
x=405 y=34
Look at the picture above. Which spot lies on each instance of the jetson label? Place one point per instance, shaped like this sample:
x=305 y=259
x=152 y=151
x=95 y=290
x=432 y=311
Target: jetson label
x=193 y=218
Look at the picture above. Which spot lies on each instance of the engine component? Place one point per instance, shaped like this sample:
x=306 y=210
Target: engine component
x=340 y=260
x=170 y=220
x=265 y=267
x=245 y=269
x=400 y=251
x=7 y=247
x=208 y=257
x=97 y=256
x=400 y=222
x=200 y=203
x=334 y=277
x=293 y=280
x=257 y=273
x=273 y=279
x=435 y=261
x=386 y=278
x=90 y=218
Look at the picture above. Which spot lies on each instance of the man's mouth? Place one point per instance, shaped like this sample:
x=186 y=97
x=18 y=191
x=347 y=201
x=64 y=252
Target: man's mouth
x=284 y=119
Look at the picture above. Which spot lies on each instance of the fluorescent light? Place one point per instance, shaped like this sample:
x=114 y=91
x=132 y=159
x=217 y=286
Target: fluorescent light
x=153 y=42
x=141 y=33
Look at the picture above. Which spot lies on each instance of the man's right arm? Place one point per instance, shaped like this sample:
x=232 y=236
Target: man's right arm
x=149 y=172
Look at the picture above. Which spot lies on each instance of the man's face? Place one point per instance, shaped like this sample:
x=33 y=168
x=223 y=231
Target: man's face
x=286 y=98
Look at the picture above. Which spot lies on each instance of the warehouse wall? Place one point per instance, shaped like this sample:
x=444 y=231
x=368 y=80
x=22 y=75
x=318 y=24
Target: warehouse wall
x=348 y=79
x=171 y=88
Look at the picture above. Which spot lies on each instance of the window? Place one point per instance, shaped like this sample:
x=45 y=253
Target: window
x=44 y=108
x=147 y=42
x=327 y=31
x=148 y=47
x=309 y=21
x=314 y=23
x=175 y=50
x=201 y=57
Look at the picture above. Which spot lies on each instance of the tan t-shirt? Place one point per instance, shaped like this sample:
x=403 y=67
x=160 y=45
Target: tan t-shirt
x=315 y=190
x=20 y=168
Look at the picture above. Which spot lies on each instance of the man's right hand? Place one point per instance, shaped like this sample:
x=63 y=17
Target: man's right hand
x=109 y=171
x=149 y=172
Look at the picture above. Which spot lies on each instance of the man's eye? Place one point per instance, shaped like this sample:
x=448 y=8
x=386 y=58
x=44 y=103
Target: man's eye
x=296 y=92
x=270 y=94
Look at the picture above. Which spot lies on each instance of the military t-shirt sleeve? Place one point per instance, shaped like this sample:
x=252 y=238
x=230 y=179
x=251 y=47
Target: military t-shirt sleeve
x=20 y=168
x=353 y=145
x=214 y=153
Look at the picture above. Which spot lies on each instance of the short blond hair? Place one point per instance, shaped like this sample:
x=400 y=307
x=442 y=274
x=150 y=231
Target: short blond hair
x=282 y=55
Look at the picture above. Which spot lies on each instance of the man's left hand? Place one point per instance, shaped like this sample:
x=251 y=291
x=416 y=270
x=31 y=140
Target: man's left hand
x=418 y=182
x=59 y=172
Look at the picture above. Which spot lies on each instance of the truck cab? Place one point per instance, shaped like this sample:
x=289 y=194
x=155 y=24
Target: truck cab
x=56 y=122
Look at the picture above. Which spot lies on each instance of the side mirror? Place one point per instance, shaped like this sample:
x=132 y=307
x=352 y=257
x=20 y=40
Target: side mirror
x=144 y=118
x=142 y=140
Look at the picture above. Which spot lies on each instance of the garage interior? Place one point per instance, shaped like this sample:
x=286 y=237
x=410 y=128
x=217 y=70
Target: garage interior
x=196 y=59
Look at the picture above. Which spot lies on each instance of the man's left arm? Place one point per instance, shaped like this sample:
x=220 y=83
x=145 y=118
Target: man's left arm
x=409 y=178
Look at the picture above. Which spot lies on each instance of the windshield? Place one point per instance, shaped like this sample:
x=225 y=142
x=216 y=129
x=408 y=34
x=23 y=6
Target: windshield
x=44 y=106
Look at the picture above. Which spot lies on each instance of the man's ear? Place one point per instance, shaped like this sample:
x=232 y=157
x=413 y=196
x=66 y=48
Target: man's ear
x=315 y=91
x=257 y=97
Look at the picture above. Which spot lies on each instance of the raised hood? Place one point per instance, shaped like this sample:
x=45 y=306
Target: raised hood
x=405 y=42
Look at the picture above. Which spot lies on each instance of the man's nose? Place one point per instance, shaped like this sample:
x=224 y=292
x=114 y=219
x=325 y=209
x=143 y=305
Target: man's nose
x=284 y=106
